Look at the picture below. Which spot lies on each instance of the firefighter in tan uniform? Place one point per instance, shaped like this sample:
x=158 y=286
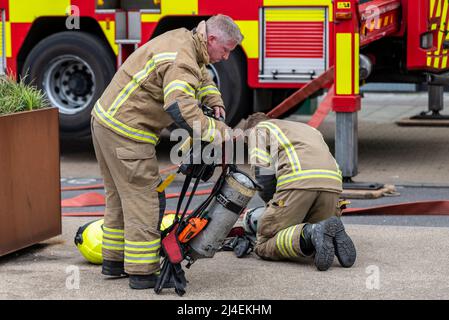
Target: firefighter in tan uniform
x=162 y=82
x=302 y=183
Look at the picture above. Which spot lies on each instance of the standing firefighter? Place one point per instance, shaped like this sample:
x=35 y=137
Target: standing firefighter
x=162 y=82
x=302 y=184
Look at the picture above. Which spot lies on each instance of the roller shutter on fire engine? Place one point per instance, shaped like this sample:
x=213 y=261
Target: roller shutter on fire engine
x=293 y=44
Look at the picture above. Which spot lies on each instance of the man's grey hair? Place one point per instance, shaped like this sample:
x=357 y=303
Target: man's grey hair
x=224 y=28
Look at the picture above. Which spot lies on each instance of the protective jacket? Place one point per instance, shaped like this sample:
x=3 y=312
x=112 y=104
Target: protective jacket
x=296 y=154
x=162 y=82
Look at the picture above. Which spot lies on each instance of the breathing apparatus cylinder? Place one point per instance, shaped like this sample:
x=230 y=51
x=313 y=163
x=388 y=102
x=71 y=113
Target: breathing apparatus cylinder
x=223 y=212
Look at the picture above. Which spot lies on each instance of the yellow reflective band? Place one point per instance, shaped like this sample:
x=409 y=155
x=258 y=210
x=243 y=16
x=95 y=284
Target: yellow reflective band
x=290 y=232
x=113 y=245
x=123 y=128
x=259 y=155
x=113 y=233
x=210 y=134
x=280 y=241
x=203 y=91
x=138 y=78
x=261 y=152
x=142 y=245
x=179 y=85
x=115 y=242
x=285 y=143
x=309 y=175
x=111 y=230
x=142 y=258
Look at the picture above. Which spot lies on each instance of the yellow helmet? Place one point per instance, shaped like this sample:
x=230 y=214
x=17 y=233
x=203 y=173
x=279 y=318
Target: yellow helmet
x=88 y=240
x=167 y=221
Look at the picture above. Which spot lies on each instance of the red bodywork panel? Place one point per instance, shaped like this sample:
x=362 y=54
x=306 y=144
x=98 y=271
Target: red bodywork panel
x=378 y=19
x=422 y=18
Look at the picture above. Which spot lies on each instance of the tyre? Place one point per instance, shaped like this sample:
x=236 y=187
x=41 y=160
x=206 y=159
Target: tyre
x=73 y=69
x=230 y=77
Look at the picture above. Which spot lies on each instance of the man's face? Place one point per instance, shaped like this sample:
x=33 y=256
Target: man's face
x=219 y=50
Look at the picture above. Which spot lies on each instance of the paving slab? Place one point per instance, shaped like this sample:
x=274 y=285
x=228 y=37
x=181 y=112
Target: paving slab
x=392 y=263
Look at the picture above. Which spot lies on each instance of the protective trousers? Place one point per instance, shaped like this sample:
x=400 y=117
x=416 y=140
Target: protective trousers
x=133 y=206
x=279 y=230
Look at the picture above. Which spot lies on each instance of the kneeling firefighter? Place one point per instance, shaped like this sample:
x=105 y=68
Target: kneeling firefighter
x=301 y=186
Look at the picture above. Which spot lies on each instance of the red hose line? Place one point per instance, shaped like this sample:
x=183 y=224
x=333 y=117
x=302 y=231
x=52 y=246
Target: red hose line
x=101 y=186
x=419 y=208
x=197 y=193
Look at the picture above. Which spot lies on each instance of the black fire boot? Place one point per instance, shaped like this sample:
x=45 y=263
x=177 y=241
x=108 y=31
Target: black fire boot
x=344 y=247
x=321 y=235
x=147 y=281
x=113 y=268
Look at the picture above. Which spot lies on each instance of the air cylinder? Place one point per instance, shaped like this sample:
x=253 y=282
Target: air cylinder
x=223 y=212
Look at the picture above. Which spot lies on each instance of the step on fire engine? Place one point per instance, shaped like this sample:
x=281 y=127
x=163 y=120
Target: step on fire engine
x=72 y=48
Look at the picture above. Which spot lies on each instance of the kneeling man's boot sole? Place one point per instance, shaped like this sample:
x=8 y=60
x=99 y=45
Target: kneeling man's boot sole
x=322 y=239
x=344 y=247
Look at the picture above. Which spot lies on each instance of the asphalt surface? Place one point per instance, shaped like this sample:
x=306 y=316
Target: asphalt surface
x=398 y=257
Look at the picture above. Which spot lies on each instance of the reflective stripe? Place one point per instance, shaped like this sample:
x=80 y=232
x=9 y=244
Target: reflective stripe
x=142 y=258
x=138 y=78
x=203 y=91
x=309 y=174
x=285 y=143
x=284 y=242
x=178 y=85
x=143 y=245
x=297 y=173
x=210 y=134
x=123 y=128
x=290 y=241
x=261 y=155
x=113 y=245
x=113 y=233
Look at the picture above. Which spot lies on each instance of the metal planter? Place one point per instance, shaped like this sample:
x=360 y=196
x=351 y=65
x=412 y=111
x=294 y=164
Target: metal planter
x=30 y=197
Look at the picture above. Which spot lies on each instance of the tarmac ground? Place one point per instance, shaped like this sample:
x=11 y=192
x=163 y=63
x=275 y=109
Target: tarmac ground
x=398 y=257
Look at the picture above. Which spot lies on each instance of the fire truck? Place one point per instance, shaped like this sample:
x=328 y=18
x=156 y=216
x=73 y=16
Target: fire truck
x=72 y=48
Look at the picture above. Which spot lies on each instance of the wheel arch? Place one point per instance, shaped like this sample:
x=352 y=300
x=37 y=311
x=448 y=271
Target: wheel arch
x=44 y=27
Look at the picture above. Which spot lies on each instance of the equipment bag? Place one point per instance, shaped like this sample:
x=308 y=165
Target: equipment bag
x=172 y=247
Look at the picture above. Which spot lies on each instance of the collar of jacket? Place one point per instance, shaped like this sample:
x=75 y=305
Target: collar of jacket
x=200 y=41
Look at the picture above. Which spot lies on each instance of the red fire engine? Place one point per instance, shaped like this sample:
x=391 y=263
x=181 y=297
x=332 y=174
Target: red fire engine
x=71 y=49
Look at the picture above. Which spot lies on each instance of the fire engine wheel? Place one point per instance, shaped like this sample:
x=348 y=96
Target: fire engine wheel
x=230 y=77
x=73 y=69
